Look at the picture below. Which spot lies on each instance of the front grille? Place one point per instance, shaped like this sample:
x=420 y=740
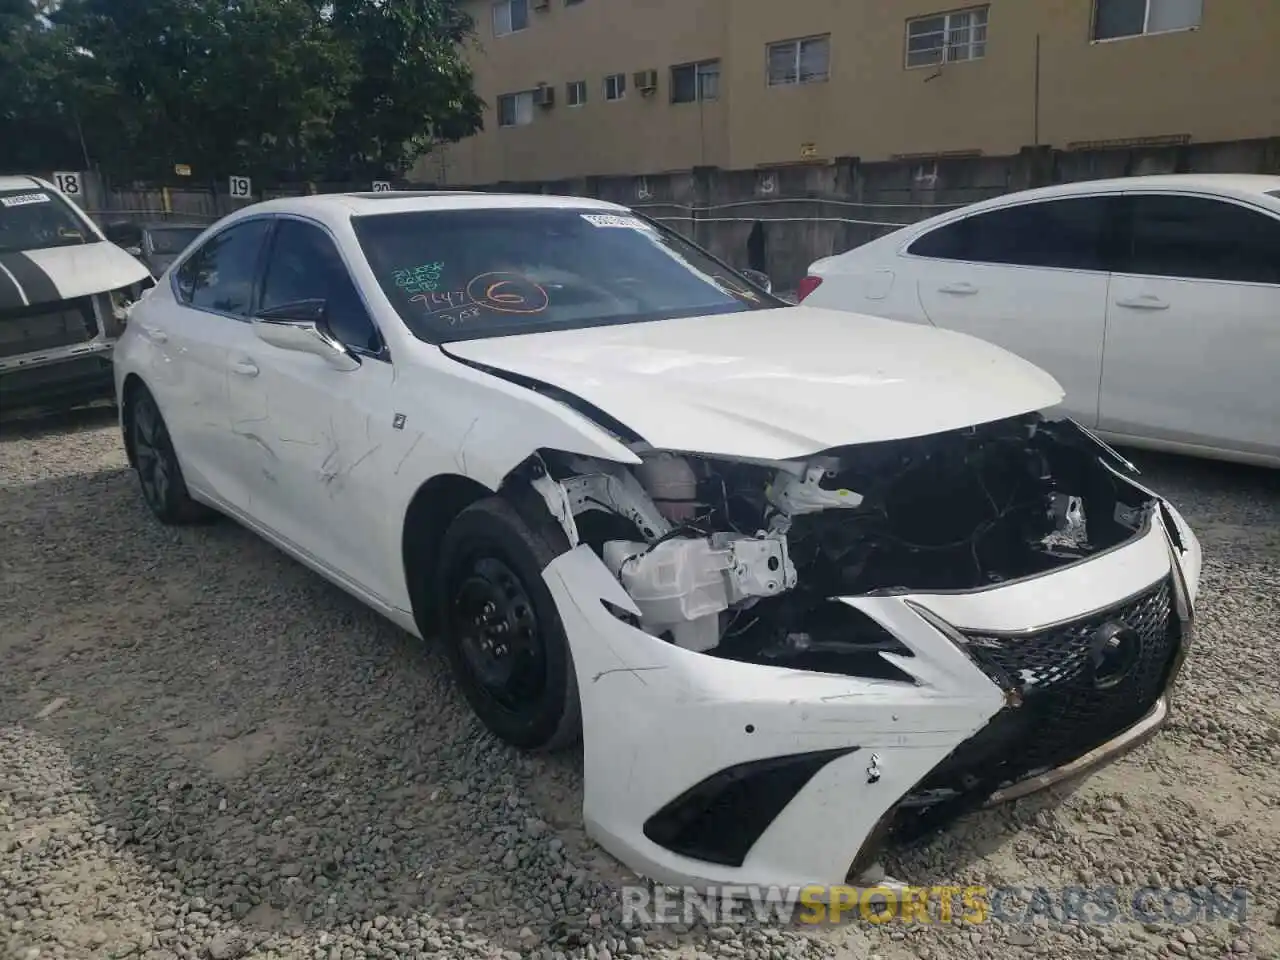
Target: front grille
x=1053 y=673
x=46 y=327
x=1062 y=713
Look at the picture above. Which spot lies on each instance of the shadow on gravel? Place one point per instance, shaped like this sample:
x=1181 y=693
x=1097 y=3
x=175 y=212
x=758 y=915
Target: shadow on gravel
x=34 y=423
x=263 y=740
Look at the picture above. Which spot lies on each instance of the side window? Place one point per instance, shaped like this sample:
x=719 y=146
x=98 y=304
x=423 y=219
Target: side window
x=1202 y=239
x=219 y=276
x=305 y=265
x=1069 y=233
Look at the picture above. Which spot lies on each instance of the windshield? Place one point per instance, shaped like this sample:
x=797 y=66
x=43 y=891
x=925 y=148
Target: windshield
x=167 y=240
x=36 y=218
x=469 y=274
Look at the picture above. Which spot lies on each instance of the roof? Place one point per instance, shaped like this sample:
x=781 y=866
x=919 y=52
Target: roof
x=406 y=201
x=21 y=183
x=1247 y=185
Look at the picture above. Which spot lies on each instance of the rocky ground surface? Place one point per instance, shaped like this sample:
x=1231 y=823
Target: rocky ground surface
x=206 y=751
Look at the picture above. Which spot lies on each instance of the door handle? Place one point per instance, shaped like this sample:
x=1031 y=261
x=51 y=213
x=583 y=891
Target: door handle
x=244 y=367
x=1144 y=302
x=961 y=289
x=155 y=334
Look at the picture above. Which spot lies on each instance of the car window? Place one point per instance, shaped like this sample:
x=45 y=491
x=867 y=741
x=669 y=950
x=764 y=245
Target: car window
x=171 y=240
x=468 y=274
x=304 y=264
x=219 y=276
x=1068 y=233
x=1201 y=238
x=34 y=218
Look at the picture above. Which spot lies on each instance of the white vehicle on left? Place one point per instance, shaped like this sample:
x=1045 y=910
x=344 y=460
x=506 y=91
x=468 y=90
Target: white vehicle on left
x=799 y=580
x=64 y=294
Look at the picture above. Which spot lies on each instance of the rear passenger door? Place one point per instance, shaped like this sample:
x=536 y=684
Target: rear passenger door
x=213 y=293
x=1031 y=278
x=1193 y=324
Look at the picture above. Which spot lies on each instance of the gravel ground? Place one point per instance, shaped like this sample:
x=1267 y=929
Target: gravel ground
x=206 y=751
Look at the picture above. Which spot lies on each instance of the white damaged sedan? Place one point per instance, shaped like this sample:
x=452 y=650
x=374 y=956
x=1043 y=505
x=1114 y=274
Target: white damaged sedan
x=802 y=581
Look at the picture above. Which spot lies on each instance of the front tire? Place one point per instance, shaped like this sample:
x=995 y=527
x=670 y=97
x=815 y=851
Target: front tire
x=159 y=476
x=502 y=631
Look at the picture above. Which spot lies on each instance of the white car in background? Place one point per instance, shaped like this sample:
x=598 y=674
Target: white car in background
x=64 y=295
x=800 y=579
x=1154 y=301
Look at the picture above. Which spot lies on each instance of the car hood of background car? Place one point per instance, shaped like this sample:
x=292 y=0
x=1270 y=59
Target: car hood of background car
x=63 y=273
x=775 y=384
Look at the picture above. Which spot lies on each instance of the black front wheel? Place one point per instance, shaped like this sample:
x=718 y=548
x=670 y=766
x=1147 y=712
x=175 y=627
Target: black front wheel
x=159 y=475
x=504 y=637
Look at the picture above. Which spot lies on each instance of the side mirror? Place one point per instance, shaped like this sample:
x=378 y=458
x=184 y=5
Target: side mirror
x=759 y=278
x=301 y=327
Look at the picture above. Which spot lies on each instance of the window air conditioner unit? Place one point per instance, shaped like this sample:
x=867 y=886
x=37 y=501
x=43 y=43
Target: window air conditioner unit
x=646 y=81
x=544 y=96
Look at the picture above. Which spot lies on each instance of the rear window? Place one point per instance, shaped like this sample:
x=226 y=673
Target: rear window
x=35 y=219
x=167 y=240
x=1273 y=193
x=469 y=274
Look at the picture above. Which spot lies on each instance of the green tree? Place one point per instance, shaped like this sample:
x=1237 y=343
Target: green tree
x=413 y=88
x=39 y=77
x=276 y=89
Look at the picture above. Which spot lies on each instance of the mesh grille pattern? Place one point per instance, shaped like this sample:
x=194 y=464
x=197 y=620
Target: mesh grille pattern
x=1063 y=713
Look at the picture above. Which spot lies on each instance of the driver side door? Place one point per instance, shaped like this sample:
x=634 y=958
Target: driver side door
x=328 y=432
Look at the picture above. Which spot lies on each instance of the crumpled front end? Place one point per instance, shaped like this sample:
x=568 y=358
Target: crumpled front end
x=61 y=312
x=775 y=681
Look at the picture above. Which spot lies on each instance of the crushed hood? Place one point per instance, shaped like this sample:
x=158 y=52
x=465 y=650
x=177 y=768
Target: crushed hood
x=62 y=273
x=775 y=384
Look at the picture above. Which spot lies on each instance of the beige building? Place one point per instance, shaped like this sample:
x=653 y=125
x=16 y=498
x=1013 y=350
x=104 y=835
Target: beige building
x=611 y=87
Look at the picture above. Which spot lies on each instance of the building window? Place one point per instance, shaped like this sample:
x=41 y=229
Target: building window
x=1113 y=19
x=615 y=86
x=515 y=109
x=575 y=93
x=799 y=61
x=572 y=3
x=947 y=37
x=510 y=16
x=693 y=82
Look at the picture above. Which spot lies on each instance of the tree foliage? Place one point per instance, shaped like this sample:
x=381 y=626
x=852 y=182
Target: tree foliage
x=276 y=89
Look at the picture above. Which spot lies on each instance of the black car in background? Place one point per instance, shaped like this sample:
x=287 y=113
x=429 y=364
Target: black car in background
x=156 y=244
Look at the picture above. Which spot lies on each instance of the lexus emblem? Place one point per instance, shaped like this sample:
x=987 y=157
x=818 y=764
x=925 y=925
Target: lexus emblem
x=1114 y=650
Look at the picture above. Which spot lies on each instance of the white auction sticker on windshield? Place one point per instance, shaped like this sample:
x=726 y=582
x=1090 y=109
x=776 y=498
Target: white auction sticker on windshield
x=609 y=220
x=23 y=199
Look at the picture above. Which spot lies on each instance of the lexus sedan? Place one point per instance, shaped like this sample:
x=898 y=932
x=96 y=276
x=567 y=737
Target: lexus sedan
x=1154 y=300
x=776 y=567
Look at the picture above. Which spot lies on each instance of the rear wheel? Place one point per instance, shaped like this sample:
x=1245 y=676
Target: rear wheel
x=159 y=475
x=502 y=631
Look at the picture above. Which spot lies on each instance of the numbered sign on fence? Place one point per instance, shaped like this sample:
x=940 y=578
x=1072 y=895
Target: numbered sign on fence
x=382 y=186
x=68 y=183
x=241 y=188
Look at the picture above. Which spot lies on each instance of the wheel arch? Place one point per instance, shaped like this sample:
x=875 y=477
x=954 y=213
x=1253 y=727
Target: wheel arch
x=432 y=508
x=128 y=390
x=435 y=505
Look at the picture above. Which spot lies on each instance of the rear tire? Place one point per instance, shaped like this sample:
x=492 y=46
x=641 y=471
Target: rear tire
x=502 y=632
x=160 y=477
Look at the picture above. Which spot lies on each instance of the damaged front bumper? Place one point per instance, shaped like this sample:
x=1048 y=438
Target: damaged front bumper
x=705 y=772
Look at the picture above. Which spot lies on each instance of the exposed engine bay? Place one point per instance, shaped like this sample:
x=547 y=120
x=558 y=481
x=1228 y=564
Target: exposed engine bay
x=741 y=559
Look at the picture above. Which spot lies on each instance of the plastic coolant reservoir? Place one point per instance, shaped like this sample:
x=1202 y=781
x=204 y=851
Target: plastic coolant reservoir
x=674 y=582
x=671 y=484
